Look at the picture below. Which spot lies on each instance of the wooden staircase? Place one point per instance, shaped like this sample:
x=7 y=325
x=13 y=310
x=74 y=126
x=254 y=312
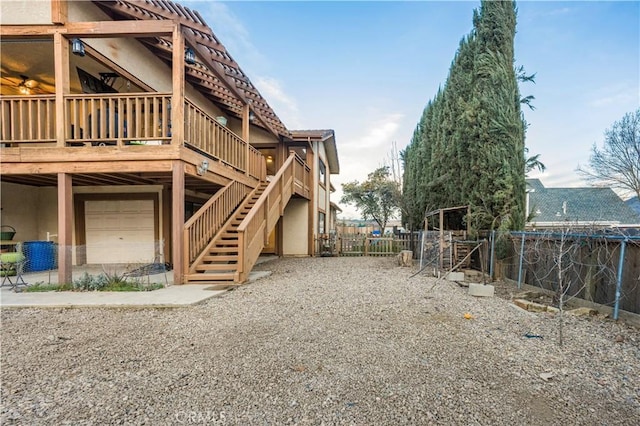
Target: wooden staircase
x=219 y=264
x=225 y=237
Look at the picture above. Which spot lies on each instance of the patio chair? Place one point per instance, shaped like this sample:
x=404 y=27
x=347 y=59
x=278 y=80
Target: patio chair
x=11 y=268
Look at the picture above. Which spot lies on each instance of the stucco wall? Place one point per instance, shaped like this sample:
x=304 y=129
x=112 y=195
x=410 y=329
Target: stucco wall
x=256 y=134
x=32 y=211
x=25 y=12
x=294 y=228
x=134 y=57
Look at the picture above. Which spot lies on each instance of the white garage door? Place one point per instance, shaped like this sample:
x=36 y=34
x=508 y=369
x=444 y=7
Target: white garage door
x=119 y=231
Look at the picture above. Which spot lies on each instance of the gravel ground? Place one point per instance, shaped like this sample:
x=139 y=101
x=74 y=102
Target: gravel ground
x=320 y=341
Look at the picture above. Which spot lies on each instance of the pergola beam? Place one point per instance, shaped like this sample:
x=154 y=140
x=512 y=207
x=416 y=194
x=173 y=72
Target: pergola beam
x=137 y=28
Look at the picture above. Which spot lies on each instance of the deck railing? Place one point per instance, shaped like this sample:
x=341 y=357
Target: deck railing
x=302 y=178
x=28 y=119
x=141 y=118
x=254 y=230
x=200 y=229
x=204 y=133
x=124 y=119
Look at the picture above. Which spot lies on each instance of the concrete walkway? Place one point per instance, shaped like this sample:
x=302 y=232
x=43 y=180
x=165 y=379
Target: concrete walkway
x=171 y=296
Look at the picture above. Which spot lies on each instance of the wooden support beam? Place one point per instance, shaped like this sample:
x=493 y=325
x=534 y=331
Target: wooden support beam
x=98 y=29
x=133 y=28
x=59 y=11
x=177 y=221
x=87 y=167
x=245 y=134
x=310 y=160
x=61 y=74
x=177 y=100
x=22 y=31
x=65 y=227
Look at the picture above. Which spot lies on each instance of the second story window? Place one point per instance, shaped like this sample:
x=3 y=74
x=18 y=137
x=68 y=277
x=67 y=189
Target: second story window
x=322 y=171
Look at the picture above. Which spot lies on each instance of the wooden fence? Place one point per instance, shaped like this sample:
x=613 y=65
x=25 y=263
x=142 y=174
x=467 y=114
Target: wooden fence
x=366 y=245
x=592 y=267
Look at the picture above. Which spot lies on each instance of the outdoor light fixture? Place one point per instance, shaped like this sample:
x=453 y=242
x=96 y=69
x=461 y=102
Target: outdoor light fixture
x=252 y=116
x=77 y=47
x=202 y=168
x=189 y=56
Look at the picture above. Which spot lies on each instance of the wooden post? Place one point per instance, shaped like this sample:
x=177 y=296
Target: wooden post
x=177 y=220
x=61 y=75
x=441 y=225
x=245 y=136
x=405 y=258
x=59 y=11
x=65 y=226
x=177 y=100
x=310 y=159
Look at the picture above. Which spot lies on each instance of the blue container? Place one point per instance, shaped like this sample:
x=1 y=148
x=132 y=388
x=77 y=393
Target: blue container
x=40 y=255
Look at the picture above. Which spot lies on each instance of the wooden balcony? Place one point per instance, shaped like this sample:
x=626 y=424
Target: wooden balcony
x=121 y=120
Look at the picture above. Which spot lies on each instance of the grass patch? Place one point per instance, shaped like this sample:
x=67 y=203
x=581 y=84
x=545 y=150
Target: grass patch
x=106 y=281
x=133 y=286
x=41 y=287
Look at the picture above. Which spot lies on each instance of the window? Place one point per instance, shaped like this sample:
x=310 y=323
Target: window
x=321 y=223
x=322 y=170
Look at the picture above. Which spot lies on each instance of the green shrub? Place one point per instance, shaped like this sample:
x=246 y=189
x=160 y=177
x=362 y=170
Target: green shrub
x=43 y=287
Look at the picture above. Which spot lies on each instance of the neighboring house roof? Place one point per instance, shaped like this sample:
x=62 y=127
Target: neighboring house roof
x=584 y=206
x=335 y=207
x=634 y=203
x=215 y=73
x=326 y=136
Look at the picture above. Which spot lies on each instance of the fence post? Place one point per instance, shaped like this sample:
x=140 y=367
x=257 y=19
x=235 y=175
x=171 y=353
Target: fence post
x=366 y=245
x=520 y=267
x=421 y=248
x=616 y=308
x=493 y=239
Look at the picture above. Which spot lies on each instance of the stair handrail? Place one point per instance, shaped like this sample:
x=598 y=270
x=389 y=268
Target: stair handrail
x=207 y=221
x=254 y=230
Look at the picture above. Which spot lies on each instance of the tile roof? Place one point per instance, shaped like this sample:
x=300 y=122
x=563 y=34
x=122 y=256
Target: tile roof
x=591 y=205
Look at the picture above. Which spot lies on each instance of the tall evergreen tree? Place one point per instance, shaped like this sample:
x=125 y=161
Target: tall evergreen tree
x=470 y=145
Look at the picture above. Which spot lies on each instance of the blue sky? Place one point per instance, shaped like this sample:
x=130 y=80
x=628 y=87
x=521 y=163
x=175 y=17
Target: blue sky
x=367 y=69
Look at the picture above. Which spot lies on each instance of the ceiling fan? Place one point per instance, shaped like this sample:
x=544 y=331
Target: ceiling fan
x=24 y=85
x=27 y=85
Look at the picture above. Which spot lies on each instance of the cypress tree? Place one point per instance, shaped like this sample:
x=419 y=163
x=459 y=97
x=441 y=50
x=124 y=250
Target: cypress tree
x=469 y=145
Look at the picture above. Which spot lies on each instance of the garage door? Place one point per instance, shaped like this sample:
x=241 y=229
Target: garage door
x=120 y=231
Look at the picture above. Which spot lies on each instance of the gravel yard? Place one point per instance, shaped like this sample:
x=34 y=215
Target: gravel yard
x=320 y=341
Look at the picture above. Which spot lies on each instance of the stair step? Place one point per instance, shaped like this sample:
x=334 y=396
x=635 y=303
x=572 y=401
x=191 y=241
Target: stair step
x=227 y=243
x=223 y=250
x=216 y=267
x=217 y=285
x=226 y=276
x=220 y=258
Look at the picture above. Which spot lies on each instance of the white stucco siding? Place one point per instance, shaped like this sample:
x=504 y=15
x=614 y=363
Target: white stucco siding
x=295 y=228
x=31 y=12
x=132 y=56
x=21 y=208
